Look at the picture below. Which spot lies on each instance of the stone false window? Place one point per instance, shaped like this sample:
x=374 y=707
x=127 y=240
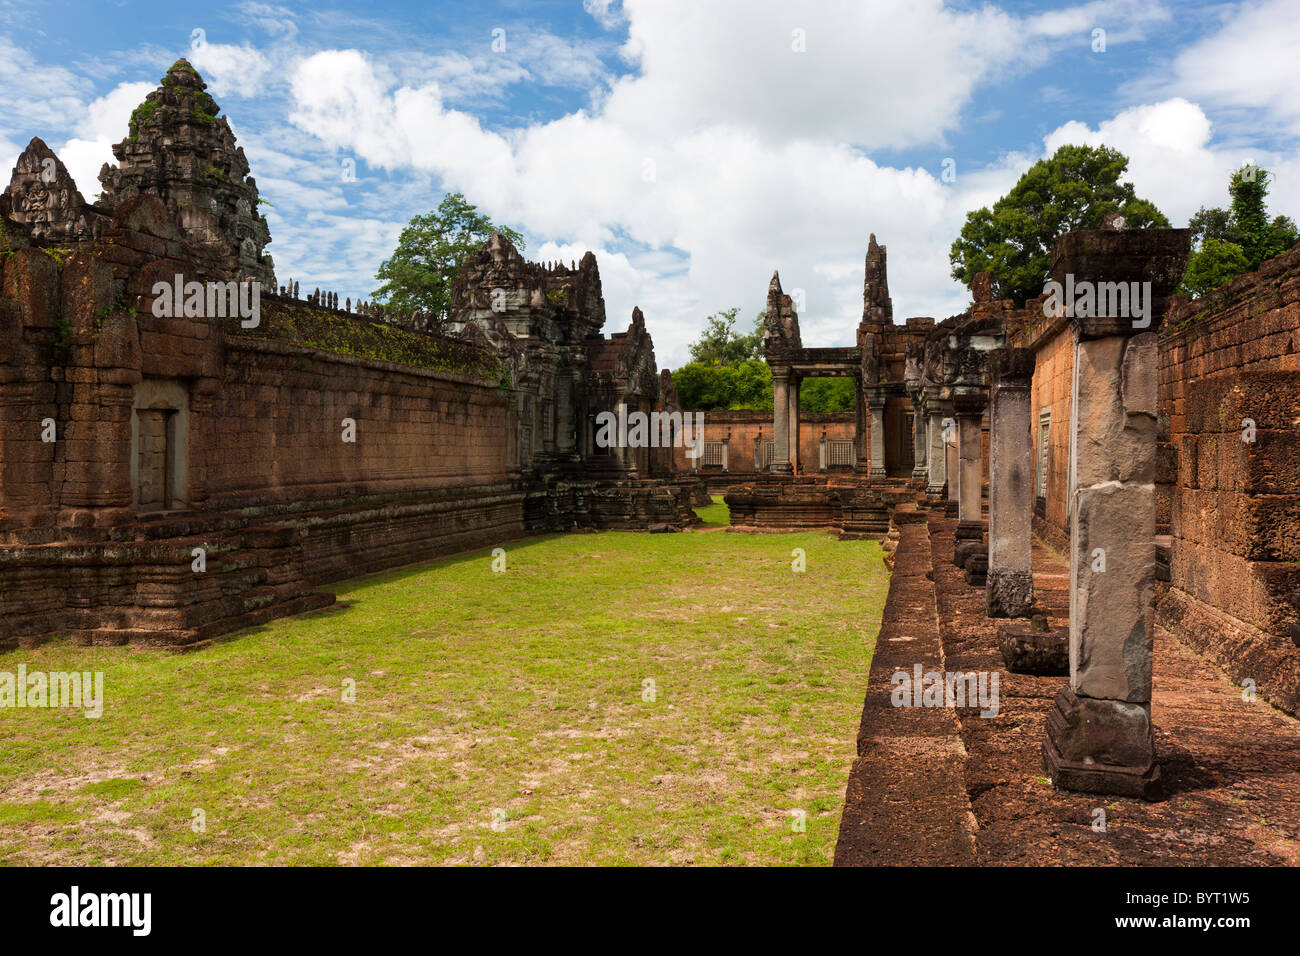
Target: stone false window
x=712 y=454
x=159 y=446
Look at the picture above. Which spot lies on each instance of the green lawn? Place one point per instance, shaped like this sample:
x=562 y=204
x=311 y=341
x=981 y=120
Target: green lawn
x=498 y=717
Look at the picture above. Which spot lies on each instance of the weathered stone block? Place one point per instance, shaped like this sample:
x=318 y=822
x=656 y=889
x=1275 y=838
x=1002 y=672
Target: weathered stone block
x=1101 y=746
x=1028 y=650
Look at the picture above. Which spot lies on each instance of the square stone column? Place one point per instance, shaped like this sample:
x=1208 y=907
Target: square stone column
x=970 y=464
x=1099 y=733
x=937 y=457
x=781 y=421
x=950 y=455
x=878 y=441
x=920 y=445
x=793 y=420
x=875 y=398
x=1009 y=591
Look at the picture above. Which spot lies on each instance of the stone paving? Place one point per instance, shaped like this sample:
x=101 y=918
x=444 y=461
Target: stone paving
x=945 y=786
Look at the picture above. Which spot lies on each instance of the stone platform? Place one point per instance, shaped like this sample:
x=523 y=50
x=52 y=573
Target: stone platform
x=850 y=506
x=944 y=786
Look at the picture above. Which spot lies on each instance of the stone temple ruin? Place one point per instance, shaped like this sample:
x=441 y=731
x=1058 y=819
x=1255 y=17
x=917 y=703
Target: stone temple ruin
x=1157 y=451
x=167 y=475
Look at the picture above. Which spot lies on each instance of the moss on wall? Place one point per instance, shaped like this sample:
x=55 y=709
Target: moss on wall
x=302 y=324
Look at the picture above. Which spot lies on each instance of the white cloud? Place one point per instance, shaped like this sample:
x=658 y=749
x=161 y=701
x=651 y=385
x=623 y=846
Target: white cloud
x=104 y=122
x=725 y=153
x=275 y=20
x=605 y=12
x=36 y=96
x=1251 y=64
x=229 y=69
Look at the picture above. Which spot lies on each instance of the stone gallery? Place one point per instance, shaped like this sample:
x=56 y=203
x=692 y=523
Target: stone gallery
x=168 y=474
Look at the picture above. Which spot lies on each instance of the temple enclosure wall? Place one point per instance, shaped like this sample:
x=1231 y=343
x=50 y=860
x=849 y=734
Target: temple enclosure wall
x=132 y=444
x=187 y=447
x=1230 y=390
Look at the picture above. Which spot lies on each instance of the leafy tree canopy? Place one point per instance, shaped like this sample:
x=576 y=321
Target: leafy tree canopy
x=721 y=344
x=703 y=387
x=1074 y=188
x=1218 y=261
x=429 y=253
x=1229 y=242
x=818 y=395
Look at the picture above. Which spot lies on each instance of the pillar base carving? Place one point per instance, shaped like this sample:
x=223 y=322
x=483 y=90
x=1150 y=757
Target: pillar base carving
x=1101 y=746
x=1009 y=593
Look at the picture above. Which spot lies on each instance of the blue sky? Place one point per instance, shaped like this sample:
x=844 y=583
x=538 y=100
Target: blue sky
x=693 y=146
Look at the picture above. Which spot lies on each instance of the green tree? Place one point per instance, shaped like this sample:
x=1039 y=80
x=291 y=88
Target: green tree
x=1229 y=242
x=1216 y=262
x=721 y=344
x=703 y=387
x=1260 y=239
x=429 y=254
x=822 y=395
x=1074 y=188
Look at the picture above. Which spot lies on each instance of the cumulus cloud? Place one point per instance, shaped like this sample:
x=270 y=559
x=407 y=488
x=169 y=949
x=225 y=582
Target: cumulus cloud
x=228 y=69
x=104 y=122
x=1250 y=63
x=36 y=96
x=735 y=146
x=608 y=13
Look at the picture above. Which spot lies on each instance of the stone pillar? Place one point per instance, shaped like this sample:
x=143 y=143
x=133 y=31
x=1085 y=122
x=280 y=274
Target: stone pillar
x=920 y=442
x=860 y=447
x=954 y=474
x=1009 y=590
x=793 y=419
x=781 y=421
x=937 y=458
x=878 y=436
x=1099 y=734
x=970 y=466
x=758 y=452
x=725 y=442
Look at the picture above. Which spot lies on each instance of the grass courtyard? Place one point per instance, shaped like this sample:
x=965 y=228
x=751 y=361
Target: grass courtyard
x=613 y=698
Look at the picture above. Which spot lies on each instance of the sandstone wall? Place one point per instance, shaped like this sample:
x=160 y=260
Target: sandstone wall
x=1234 y=505
x=174 y=436
x=740 y=428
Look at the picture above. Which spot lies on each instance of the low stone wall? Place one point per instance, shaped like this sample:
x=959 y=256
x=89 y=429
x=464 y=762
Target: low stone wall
x=741 y=428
